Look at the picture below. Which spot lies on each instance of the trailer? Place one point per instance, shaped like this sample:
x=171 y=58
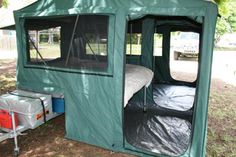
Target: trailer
x=23 y=110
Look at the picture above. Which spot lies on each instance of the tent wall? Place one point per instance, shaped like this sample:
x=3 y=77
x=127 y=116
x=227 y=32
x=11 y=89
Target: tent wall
x=162 y=74
x=93 y=114
x=148 y=30
x=94 y=100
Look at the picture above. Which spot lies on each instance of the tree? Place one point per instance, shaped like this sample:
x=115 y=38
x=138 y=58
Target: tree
x=3 y=3
x=227 y=22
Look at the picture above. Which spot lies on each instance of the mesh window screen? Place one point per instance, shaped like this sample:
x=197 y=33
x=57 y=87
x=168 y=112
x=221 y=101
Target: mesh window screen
x=133 y=44
x=69 y=42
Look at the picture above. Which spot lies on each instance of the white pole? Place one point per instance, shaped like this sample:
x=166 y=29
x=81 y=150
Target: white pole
x=16 y=149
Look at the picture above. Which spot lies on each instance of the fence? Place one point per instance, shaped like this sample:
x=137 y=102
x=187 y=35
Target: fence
x=7 y=42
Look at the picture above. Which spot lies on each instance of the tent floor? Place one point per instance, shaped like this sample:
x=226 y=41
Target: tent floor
x=158 y=130
x=157 y=134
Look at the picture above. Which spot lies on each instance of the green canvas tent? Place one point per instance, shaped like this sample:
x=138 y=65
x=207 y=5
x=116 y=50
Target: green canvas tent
x=78 y=48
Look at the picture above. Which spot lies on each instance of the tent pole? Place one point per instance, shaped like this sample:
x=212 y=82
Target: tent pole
x=71 y=41
x=37 y=43
x=130 y=39
x=88 y=42
x=32 y=42
x=145 y=100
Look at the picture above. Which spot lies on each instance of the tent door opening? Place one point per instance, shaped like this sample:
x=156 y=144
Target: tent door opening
x=158 y=119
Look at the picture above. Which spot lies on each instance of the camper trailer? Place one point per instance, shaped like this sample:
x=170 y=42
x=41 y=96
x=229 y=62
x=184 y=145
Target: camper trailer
x=101 y=55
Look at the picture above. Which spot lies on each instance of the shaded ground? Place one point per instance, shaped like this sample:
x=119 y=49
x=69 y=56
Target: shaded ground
x=7 y=75
x=48 y=140
x=222 y=120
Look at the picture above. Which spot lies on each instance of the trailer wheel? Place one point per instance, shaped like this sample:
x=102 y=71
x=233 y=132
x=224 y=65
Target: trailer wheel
x=16 y=153
x=176 y=55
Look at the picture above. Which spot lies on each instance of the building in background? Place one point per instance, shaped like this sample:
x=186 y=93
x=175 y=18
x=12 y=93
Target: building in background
x=7 y=40
x=8 y=34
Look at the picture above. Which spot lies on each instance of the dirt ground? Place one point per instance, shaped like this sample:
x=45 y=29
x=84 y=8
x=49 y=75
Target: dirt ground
x=48 y=139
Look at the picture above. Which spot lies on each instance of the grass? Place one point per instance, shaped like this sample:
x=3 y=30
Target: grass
x=47 y=51
x=53 y=50
x=225 y=49
x=222 y=121
x=6 y=84
x=7 y=77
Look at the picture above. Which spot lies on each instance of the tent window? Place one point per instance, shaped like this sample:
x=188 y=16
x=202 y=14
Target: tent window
x=157 y=46
x=69 y=42
x=184 y=55
x=133 y=43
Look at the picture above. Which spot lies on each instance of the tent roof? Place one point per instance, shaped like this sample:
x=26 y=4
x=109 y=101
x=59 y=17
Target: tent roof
x=9 y=27
x=133 y=9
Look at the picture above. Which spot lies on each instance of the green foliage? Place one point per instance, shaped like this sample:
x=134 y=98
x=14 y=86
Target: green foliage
x=43 y=38
x=134 y=38
x=56 y=38
x=227 y=22
x=232 y=21
x=222 y=27
x=3 y=3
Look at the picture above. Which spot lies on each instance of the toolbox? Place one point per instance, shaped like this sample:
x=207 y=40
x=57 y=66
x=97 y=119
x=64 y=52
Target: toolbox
x=33 y=109
x=6 y=120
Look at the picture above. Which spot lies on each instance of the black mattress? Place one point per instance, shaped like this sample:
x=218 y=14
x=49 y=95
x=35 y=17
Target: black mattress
x=165 y=128
x=157 y=134
x=180 y=98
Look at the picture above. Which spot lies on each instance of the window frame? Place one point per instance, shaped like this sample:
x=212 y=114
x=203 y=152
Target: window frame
x=197 y=61
x=108 y=71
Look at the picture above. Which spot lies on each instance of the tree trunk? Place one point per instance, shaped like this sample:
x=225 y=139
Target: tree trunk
x=1 y=3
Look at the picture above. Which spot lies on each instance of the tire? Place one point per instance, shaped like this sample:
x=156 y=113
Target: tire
x=176 y=55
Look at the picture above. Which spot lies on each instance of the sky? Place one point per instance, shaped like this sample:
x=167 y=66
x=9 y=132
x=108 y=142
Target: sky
x=6 y=14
